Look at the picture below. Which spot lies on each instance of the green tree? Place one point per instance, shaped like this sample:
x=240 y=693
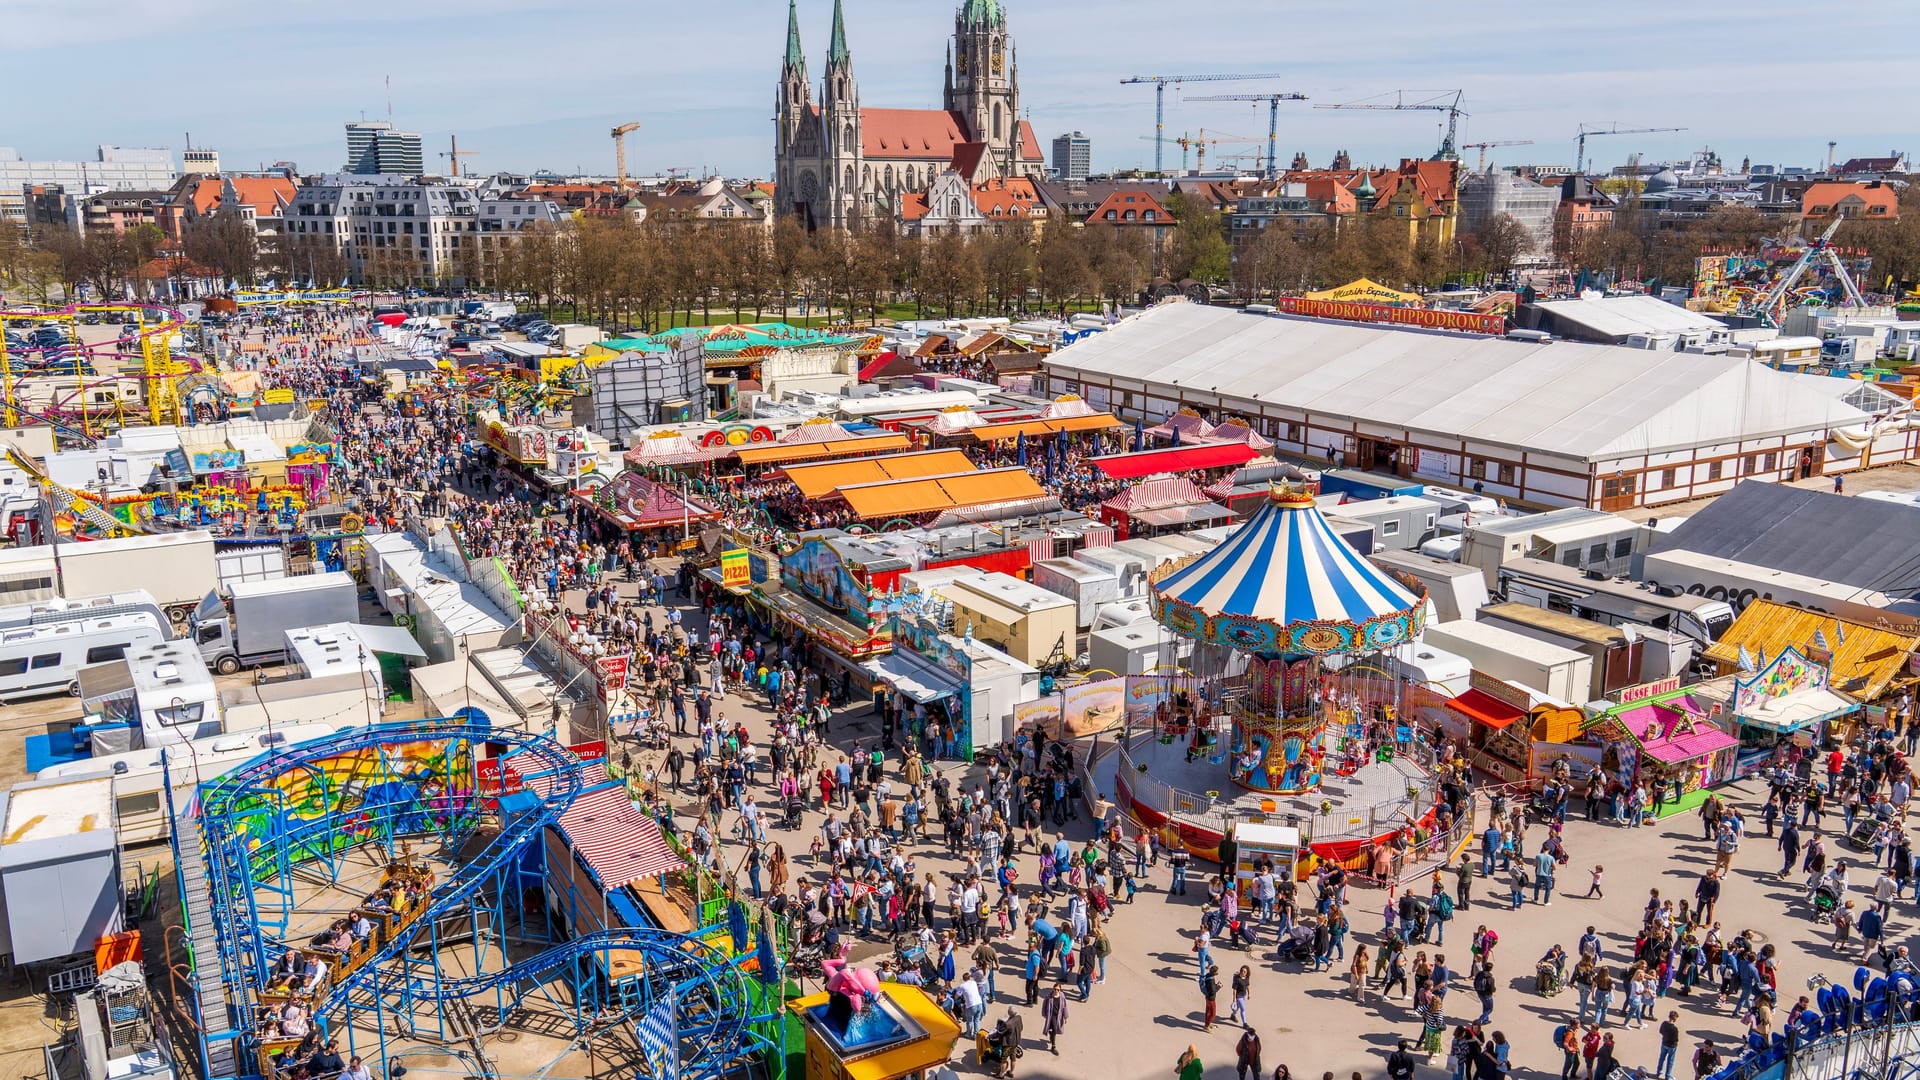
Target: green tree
x=1198 y=248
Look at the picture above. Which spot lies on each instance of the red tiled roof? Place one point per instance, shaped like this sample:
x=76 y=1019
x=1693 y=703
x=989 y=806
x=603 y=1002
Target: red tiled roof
x=1029 y=146
x=966 y=157
x=1008 y=198
x=266 y=194
x=910 y=133
x=1822 y=197
x=913 y=206
x=1138 y=201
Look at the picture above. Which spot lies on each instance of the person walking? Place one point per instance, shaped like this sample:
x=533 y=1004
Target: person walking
x=1593 y=888
x=1247 y=1055
x=1706 y=894
x=1463 y=882
x=1053 y=1018
x=1188 y=1067
x=1210 y=989
x=1789 y=845
x=1357 y=974
x=1242 y=985
x=1483 y=987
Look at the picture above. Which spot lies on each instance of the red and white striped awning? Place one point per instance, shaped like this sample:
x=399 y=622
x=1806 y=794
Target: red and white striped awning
x=621 y=843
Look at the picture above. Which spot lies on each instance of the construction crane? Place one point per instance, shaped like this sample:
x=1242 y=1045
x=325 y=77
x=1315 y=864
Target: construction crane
x=620 y=155
x=1199 y=144
x=1160 y=84
x=1771 y=306
x=454 y=152
x=1580 y=140
x=1447 y=101
x=1184 y=142
x=1273 y=119
x=1482 y=147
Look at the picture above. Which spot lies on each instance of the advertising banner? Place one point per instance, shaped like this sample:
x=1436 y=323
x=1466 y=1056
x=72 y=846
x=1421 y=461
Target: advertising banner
x=1144 y=695
x=1092 y=707
x=1043 y=715
x=1353 y=311
x=735 y=573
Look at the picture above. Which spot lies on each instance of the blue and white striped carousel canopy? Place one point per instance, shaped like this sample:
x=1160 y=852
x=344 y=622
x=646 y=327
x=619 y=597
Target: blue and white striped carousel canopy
x=1286 y=583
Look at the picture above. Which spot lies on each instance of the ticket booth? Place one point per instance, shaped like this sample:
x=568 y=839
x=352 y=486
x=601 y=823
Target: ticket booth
x=1254 y=844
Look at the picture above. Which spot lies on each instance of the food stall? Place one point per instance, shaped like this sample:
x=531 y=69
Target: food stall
x=1785 y=699
x=1664 y=736
x=1497 y=729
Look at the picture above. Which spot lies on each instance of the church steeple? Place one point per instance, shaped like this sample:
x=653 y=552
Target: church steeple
x=837 y=48
x=796 y=59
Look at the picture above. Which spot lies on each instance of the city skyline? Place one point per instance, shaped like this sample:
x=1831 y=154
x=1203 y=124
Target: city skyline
x=538 y=100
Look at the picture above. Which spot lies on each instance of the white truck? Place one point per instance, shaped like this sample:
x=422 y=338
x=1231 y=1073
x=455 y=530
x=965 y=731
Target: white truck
x=177 y=568
x=249 y=630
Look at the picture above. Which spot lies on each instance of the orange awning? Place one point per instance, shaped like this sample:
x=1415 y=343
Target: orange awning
x=933 y=493
x=822 y=478
x=780 y=453
x=1483 y=708
x=1034 y=429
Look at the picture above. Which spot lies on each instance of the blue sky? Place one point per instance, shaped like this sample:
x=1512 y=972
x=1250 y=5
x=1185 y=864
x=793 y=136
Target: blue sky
x=538 y=84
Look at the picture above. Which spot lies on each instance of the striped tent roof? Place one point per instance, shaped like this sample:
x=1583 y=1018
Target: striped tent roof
x=619 y=841
x=1285 y=583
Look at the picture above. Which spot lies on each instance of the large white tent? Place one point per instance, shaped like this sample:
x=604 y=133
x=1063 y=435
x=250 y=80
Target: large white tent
x=1548 y=422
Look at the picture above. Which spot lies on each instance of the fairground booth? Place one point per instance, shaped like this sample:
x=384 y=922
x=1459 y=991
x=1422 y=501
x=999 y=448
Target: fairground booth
x=899 y=1033
x=1781 y=702
x=1667 y=737
x=1869 y=657
x=973 y=690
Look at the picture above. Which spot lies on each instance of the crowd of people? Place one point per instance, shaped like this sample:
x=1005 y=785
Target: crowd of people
x=854 y=821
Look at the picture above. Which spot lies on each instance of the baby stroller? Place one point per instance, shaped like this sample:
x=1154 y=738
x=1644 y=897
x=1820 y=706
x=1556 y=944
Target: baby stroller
x=1546 y=978
x=1296 y=944
x=1417 y=929
x=791 y=811
x=1826 y=900
x=1239 y=934
x=994 y=1053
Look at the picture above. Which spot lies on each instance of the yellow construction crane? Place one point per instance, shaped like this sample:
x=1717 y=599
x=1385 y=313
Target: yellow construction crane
x=1482 y=147
x=454 y=152
x=620 y=155
x=1199 y=144
x=1273 y=118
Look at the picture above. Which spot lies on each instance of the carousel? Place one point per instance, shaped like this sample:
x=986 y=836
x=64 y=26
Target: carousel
x=1290 y=691
x=1289 y=595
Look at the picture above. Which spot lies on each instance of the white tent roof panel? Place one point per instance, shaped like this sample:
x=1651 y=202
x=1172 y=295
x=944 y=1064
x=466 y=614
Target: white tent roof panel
x=1584 y=401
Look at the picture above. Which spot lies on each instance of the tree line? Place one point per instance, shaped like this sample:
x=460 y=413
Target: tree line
x=669 y=271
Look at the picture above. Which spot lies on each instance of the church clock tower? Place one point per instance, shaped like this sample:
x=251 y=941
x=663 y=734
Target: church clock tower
x=983 y=83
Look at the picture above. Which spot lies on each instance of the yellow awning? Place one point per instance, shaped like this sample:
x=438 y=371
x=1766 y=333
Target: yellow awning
x=1366 y=290
x=778 y=453
x=823 y=478
x=1866 y=658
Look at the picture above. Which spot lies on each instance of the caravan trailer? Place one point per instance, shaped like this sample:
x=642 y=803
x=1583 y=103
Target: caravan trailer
x=40 y=660
x=1615 y=602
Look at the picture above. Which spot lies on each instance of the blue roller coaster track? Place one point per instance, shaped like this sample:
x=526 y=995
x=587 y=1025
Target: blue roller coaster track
x=290 y=818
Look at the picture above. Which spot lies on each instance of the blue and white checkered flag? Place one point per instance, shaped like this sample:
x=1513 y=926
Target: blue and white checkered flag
x=660 y=1037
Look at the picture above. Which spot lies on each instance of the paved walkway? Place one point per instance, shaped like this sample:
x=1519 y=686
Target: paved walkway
x=1149 y=1008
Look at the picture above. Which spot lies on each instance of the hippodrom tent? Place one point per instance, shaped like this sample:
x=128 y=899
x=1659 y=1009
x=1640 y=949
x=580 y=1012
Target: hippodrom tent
x=1367 y=290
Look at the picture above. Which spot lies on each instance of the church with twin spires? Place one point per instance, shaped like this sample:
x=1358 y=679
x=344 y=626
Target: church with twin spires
x=836 y=163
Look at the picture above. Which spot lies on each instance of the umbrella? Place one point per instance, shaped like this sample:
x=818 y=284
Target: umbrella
x=1020 y=447
x=1139 y=434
